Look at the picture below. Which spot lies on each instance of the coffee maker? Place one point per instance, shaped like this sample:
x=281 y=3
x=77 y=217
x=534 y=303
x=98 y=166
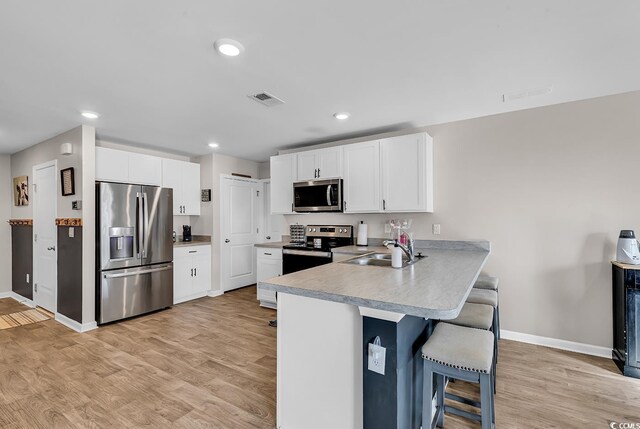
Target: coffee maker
x=628 y=248
x=186 y=233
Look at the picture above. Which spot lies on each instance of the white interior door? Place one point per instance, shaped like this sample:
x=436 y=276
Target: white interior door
x=45 y=259
x=239 y=231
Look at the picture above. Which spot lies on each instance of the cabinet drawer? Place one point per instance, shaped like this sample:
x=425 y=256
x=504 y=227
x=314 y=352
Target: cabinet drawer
x=269 y=253
x=184 y=251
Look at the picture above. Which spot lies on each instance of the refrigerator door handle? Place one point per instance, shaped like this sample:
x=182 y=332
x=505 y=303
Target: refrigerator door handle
x=135 y=273
x=138 y=225
x=145 y=224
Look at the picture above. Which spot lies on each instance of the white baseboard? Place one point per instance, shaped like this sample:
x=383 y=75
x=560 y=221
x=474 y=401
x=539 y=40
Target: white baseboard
x=76 y=326
x=571 y=346
x=5 y=295
x=214 y=293
x=21 y=299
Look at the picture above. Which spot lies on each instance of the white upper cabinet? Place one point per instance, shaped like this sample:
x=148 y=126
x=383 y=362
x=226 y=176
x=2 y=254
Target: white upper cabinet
x=283 y=174
x=320 y=164
x=184 y=178
x=127 y=167
x=145 y=169
x=407 y=173
x=361 y=186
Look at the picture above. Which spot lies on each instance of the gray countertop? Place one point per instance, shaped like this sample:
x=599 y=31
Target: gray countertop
x=197 y=240
x=435 y=287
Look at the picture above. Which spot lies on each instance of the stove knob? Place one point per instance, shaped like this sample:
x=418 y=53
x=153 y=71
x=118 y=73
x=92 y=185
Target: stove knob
x=314 y=230
x=309 y=229
x=341 y=230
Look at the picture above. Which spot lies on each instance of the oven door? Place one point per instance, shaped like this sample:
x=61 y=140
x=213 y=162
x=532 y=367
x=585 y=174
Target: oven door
x=298 y=260
x=317 y=196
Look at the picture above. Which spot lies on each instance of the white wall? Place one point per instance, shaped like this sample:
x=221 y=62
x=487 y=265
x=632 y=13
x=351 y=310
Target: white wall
x=22 y=164
x=550 y=188
x=264 y=170
x=208 y=223
x=6 y=196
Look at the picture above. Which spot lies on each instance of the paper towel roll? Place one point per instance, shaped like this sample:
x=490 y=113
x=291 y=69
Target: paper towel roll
x=362 y=234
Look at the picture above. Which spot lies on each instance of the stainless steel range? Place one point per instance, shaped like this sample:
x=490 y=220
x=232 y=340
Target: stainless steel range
x=315 y=250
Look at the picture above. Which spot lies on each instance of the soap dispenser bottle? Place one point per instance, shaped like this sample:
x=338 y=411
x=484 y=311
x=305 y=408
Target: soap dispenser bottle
x=396 y=256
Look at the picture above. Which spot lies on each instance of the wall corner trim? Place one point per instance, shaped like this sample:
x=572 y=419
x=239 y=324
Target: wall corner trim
x=214 y=293
x=76 y=326
x=571 y=346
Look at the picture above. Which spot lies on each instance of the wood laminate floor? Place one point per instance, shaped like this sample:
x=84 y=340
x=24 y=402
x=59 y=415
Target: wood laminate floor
x=211 y=363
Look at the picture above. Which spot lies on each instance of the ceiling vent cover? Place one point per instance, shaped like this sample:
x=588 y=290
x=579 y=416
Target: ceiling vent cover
x=266 y=99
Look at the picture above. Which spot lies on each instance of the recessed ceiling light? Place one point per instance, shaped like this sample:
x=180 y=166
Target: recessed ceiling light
x=228 y=47
x=214 y=145
x=341 y=116
x=90 y=115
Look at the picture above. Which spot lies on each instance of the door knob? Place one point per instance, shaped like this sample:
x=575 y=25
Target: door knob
x=51 y=248
x=227 y=240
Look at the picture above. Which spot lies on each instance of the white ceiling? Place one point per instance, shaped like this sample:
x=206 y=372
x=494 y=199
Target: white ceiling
x=149 y=68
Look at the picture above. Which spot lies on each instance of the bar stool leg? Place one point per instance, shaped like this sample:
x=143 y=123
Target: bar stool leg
x=486 y=392
x=427 y=395
x=440 y=383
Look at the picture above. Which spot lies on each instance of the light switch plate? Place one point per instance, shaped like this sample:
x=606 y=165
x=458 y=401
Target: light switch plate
x=72 y=232
x=387 y=228
x=436 y=229
x=377 y=358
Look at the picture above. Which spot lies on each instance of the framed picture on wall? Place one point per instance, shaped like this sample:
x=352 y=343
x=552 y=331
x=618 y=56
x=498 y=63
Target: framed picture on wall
x=21 y=191
x=67 y=182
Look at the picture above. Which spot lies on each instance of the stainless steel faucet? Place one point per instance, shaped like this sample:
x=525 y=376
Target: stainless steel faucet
x=408 y=249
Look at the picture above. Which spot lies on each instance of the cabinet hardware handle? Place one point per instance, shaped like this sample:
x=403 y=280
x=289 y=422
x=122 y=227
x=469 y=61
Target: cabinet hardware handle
x=318 y=173
x=193 y=251
x=227 y=240
x=51 y=248
x=345 y=204
x=268 y=254
x=195 y=272
x=268 y=237
x=191 y=272
x=384 y=204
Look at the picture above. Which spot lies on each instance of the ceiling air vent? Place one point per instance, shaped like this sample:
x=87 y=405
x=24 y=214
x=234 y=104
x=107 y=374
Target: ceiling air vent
x=266 y=99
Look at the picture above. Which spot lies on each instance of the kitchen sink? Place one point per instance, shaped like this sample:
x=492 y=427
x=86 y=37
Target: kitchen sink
x=379 y=260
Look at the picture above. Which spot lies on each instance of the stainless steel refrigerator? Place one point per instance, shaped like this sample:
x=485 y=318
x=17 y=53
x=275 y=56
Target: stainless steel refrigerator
x=134 y=250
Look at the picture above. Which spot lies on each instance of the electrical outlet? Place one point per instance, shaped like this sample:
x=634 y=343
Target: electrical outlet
x=377 y=358
x=387 y=228
x=436 y=229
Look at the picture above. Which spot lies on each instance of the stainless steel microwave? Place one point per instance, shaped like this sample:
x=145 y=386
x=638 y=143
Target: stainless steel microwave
x=317 y=196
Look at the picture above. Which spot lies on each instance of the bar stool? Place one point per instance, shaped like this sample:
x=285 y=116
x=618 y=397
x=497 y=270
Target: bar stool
x=486 y=282
x=487 y=297
x=464 y=354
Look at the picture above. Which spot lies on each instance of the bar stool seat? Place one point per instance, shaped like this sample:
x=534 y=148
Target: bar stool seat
x=486 y=282
x=483 y=296
x=479 y=316
x=461 y=353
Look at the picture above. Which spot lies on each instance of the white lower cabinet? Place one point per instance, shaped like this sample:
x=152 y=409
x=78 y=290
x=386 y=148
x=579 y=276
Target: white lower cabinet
x=269 y=265
x=191 y=272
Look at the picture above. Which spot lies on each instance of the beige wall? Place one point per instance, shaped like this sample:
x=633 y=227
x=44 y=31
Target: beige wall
x=5 y=230
x=22 y=164
x=551 y=188
x=264 y=170
x=208 y=223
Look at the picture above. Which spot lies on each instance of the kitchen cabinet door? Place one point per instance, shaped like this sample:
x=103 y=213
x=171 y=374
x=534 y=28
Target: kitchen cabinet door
x=320 y=164
x=172 y=178
x=329 y=163
x=269 y=265
x=112 y=165
x=184 y=178
x=191 y=188
x=201 y=270
x=407 y=173
x=182 y=278
x=361 y=186
x=283 y=174
x=145 y=169
x=307 y=165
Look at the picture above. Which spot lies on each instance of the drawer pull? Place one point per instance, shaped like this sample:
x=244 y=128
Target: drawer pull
x=267 y=253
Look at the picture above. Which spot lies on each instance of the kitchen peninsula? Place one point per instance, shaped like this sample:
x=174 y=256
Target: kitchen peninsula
x=327 y=315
